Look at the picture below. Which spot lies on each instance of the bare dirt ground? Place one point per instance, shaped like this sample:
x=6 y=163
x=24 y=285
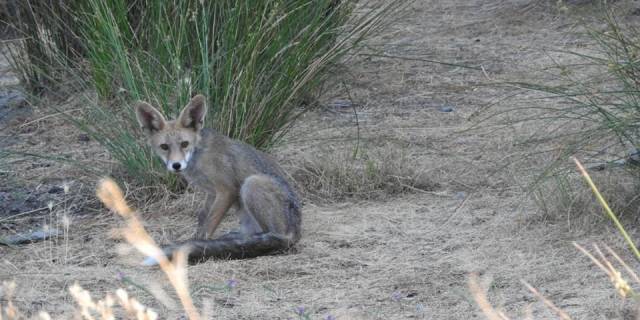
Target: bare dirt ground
x=386 y=256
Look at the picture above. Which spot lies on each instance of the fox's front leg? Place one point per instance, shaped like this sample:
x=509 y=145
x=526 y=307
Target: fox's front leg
x=209 y=220
x=203 y=216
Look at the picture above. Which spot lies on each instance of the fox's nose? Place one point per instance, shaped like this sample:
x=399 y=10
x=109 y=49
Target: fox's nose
x=176 y=166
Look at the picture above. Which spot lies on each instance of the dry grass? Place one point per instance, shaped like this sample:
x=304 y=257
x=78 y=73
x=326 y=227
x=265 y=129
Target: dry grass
x=565 y=199
x=386 y=256
x=86 y=308
x=371 y=174
x=602 y=261
x=480 y=296
x=111 y=196
x=622 y=286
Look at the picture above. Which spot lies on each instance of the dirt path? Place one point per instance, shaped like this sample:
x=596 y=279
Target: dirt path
x=396 y=257
x=423 y=247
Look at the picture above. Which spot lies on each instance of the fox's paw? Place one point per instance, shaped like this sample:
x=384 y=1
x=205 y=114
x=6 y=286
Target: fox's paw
x=152 y=261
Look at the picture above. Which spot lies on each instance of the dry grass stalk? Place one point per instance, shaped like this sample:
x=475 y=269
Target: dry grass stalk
x=110 y=194
x=491 y=313
x=104 y=307
x=561 y=314
x=10 y=310
x=481 y=299
x=622 y=286
x=607 y=209
x=133 y=307
x=87 y=308
x=630 y=271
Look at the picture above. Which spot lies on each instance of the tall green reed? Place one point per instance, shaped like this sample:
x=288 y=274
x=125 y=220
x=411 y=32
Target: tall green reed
x=590 y=104
x=253 y=60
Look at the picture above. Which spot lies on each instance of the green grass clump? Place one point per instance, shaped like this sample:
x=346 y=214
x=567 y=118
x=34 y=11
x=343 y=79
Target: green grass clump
x=595 y=99
x=253 y=60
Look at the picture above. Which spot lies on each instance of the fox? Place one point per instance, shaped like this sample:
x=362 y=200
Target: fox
x=232 y=174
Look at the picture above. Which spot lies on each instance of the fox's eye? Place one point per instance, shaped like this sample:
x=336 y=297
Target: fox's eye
x=164 y=146
x=184 y=144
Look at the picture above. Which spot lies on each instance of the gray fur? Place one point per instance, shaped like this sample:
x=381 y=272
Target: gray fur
x=231 y=173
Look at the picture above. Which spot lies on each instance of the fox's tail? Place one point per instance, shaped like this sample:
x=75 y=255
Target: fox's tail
x=232 y=245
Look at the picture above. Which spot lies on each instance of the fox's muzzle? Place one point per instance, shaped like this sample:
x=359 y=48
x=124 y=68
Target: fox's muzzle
x=177 y=166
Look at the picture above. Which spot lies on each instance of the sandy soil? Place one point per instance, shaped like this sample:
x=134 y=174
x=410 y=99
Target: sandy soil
x=405 y=255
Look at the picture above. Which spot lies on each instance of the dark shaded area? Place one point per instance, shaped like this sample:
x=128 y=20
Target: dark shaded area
x=13 y=106
x=16 y=200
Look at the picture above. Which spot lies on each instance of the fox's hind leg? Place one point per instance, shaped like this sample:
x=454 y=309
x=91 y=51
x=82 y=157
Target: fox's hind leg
x=248 y=223
x=264 y=205
x=203 y=216
x=270 y=222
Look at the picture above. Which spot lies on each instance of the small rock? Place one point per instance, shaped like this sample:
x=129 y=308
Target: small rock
x=83 y=137
x=634 y=157
x=341 y=104
x=56 y=189
x=28 y=237
x=446 y=109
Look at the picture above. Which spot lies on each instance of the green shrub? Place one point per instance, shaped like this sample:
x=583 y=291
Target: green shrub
x=595 y=97
x=253 y=60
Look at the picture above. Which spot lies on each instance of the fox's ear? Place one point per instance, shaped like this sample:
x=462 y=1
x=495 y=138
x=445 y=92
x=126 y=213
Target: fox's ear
x=192 y=116
x=150 y=118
